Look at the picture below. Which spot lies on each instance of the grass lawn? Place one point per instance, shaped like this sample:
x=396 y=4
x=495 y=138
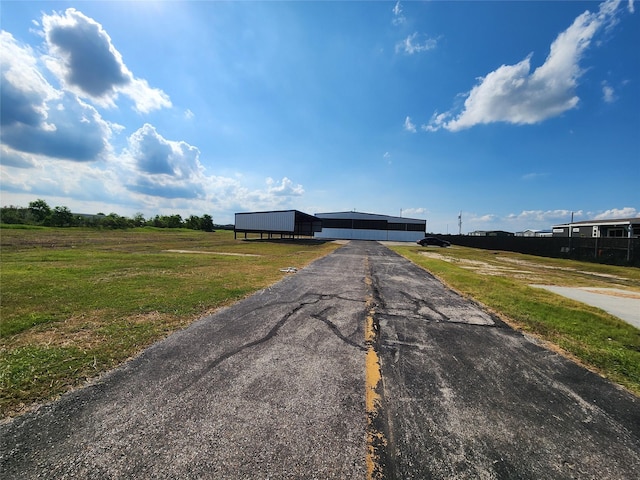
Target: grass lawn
x=501 y=281
x=77 y=302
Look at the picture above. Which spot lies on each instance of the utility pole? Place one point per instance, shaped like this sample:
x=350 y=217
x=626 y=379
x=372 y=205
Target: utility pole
x=460 y=223
x=571 y=236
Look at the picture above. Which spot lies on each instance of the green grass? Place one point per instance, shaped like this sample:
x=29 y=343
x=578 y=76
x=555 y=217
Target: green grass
x=500 y=280
x=76 y=302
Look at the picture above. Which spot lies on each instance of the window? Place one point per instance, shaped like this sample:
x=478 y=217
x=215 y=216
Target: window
x=616 y=232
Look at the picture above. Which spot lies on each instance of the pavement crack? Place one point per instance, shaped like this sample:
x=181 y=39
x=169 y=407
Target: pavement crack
x=322 y=316
x=379 y=461
x=420 y=304
x=225 y=356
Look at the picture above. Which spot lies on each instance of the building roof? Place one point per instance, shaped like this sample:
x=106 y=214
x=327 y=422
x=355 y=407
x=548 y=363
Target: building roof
x=299 y=216
x=613 y=221
x=369 y=216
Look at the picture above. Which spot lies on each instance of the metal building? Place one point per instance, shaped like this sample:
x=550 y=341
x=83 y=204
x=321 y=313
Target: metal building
x=286 y=223
x=611 y=228
x=370 y=226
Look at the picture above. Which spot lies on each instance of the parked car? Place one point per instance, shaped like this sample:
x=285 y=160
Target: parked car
x=433 y=241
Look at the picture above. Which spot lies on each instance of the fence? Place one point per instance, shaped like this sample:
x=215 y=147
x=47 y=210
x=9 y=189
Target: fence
x=611 y=251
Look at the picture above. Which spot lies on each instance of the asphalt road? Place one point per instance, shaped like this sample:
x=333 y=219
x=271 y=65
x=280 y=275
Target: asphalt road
x=360 y=365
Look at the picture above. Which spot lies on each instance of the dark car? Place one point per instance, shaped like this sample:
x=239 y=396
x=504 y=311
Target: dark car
x=433 y=241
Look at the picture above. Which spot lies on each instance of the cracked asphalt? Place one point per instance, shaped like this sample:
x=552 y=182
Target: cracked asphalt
x=274 y=387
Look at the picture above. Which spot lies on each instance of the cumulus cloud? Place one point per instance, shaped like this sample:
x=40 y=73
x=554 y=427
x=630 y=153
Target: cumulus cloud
x=416 y=43
x=12 y=158
x=38 y=119
x=25 y=92
x=284 y=188
x=626 y=212
x=55 y=144
x=82 y=56
x=514 y=94
x=164 y=167
x=73 y=131
x=408 y=126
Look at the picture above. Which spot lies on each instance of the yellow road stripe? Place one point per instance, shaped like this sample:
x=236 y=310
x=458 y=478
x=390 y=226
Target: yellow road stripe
x=372 y=397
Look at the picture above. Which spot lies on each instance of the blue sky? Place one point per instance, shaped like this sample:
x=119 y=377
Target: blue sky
x=514 y=113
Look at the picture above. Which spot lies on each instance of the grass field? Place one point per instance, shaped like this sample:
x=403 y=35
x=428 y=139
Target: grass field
x=77 y=302
x=501 y=281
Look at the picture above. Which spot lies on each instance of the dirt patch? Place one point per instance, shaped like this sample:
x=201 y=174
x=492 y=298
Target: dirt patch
x=563 y=269
x=614 y=292
x=483 y=268
x=214 y=253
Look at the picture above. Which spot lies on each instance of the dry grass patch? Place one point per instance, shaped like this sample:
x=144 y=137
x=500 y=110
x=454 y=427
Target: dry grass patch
x=77 y=302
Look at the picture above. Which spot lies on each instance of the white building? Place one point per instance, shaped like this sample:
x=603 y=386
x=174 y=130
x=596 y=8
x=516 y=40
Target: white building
x=534 y=233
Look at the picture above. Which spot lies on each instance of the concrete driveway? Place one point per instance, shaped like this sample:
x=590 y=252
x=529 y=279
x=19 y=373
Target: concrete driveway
x=361 y=365
x=623 y=304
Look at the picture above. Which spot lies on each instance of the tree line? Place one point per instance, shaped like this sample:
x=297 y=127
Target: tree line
x=40 y=213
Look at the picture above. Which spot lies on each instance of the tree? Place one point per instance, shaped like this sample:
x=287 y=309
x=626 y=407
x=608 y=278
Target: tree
x=138 y=220
x=61 y=217
x=39 y=210
x=206 y=223
x=13 y=214
x=193 y=222
x=113 y=220
x=174 y=221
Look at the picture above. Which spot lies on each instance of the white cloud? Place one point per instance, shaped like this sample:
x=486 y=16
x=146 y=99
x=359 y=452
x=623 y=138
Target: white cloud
x=82 y=56
x=145 y=98
x=608 y=94
x=41 y=120
x=543 y=216
x=416 y=43
x=417 y=211
x=513 y=94
x=408 y=126
x=626 y=212
x=284 y=188
x=55 y=145
x=533 y=176
x=398 y=17
x=540 y=219
x=25 y=92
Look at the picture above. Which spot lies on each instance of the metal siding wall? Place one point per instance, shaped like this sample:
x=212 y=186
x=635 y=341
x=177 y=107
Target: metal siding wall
x=342 y=233
x=409 y=236
x=266 y=221
x=381 y=235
